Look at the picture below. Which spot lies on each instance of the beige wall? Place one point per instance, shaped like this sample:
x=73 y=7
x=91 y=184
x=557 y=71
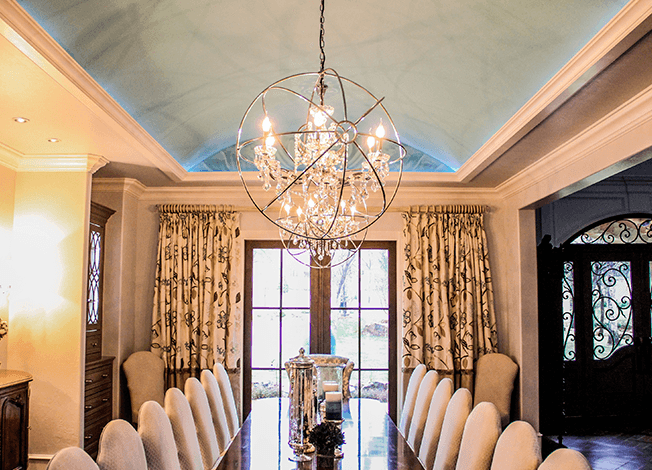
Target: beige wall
x=7 y=199
x=46 y=317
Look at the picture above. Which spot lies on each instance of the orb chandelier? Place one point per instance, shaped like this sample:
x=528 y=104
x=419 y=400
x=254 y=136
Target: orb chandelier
x=329 y=158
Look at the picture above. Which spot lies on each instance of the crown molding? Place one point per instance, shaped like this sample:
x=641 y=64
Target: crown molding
x=619 y=124
x=21 y=163
x=129 y=186
x=55 y=163
x=28 y=36
x=9 y=157
x=576 y=73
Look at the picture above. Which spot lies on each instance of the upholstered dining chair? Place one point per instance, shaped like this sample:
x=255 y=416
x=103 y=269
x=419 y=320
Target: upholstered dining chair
x=183 y=427
x=144 y=371
x=71 y=458
x=420 y=414
x=218 y=413
x=517 y=448
x=481 y=433
x=565 y=459
x=434 y=421
x=410 y=401
x=201 y=413
x=495 y=375
x=156 y=433
x=227 y=398
x=121 y=447
x=457 y=412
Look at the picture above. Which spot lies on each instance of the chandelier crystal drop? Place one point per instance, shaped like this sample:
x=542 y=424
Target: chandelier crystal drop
x=323 y=147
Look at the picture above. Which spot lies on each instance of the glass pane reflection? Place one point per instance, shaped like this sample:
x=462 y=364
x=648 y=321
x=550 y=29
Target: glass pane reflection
x=266 y=277
x=374 y=339
x=344 y=282
x=264 y=384
x=374 y=281
x=265 y=341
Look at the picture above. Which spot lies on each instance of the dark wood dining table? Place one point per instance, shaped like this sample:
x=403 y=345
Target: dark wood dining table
x=372 y=440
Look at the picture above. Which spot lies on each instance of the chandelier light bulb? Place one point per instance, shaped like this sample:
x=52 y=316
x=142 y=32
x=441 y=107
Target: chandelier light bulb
x=299 y=212
x=267 y=125
x=371 y=142
x=380 y=132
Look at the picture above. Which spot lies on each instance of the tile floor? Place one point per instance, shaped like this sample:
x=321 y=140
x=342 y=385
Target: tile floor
x=614 y=451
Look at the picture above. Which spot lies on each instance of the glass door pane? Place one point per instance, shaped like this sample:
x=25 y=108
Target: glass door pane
x=611 y=298
x=359 y=319
x=280 y=318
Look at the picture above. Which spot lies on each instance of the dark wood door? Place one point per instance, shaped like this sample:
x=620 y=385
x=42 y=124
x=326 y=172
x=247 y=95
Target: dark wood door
x=607 y=382
x=595 y=328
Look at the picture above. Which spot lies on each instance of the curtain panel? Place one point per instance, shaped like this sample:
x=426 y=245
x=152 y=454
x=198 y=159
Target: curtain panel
x=197 y=300
x=448 y=305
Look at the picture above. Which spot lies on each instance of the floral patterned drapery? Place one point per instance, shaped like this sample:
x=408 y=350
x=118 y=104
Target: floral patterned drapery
x=197 y=300
x=448 y=306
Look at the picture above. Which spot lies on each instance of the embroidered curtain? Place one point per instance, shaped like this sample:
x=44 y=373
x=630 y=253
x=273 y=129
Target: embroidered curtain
x=197 y=300
x=448 y=306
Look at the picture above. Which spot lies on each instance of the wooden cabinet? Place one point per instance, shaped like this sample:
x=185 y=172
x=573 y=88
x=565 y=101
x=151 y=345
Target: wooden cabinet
x=98 y=391
x=98 y=401
x=14 y=419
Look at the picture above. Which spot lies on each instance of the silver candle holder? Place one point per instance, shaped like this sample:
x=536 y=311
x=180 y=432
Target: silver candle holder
x=302 y=408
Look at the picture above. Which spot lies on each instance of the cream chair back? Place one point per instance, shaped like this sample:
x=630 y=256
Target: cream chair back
x=183 y=427
x=144 y=371
x=201 y=413
x=421 y=406
x=565 y=459
x=158 y=439
x=410 y=401
x=214 y=395
x=457 y=412
x=121 y=447
x=71 y=458
x=481 y=433
x=227 y=398
x=517 y=448
x=494 y=382
x=434 y=421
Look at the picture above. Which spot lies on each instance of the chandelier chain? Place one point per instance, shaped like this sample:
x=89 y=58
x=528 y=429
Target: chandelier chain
x=322 y=43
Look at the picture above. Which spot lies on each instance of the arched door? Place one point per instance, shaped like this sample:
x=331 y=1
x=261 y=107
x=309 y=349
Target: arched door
x=598 y=288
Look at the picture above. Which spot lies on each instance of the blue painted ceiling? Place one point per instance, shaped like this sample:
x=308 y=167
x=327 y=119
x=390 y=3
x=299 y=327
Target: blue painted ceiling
x=452 y=73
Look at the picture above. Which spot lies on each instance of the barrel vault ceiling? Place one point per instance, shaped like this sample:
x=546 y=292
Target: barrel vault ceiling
x=160 y=86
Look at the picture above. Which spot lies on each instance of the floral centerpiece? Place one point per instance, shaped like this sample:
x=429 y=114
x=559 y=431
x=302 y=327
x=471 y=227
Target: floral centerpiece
x=326 y=437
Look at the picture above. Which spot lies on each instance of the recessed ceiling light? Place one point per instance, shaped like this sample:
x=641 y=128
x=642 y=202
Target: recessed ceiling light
x=54 y=140
x=21 y=120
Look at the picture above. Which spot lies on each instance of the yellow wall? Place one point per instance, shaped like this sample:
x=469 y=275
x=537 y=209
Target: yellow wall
x=46 y=317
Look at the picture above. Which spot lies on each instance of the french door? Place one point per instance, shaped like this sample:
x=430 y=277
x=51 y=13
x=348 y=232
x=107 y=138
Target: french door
x=602 y=293
x=347 y=310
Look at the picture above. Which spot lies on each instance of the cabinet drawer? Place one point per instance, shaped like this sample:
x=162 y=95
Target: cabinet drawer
x=97 y=404
x=92 y=433
x=98 y=377
x=93 y=346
